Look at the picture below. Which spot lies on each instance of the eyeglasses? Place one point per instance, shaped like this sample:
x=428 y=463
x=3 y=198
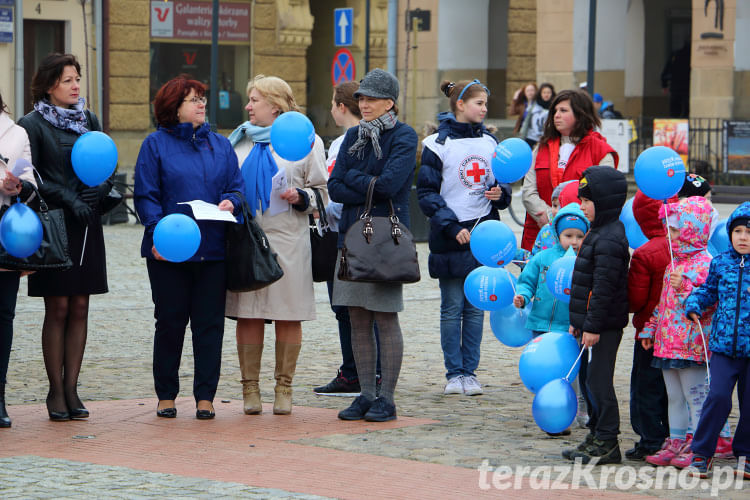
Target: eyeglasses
x=197 y=100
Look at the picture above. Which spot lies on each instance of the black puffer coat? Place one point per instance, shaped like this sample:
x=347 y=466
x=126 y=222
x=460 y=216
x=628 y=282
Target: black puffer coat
x=599 y=293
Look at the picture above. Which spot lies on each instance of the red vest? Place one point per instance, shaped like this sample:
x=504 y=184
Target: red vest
x=589 y=151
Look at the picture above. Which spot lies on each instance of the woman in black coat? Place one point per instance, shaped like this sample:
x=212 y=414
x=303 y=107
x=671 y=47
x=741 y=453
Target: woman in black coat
x=53 y=127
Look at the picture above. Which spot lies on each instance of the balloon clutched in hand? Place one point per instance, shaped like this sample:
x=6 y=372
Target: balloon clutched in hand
x=493 y=243
x=20 y=231
x=659 y=172
x=94 y=158
x=489 y=288
x=560 y=277
x=292 y=135
x=633 y=231
x=555 y=406
x=509 y=325
x=177 y=237
x=720 y=239
x=548 y=357
x=511 y=160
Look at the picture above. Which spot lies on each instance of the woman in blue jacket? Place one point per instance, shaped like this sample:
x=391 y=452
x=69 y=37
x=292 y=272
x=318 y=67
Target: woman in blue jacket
x=384 y=148
x=456 y=191
x=183 y=161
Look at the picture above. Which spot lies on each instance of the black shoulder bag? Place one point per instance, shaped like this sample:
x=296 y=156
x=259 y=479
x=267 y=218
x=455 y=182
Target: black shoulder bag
x=250 y=262
x=324 y=247
x=53 y=253
x=378 y=249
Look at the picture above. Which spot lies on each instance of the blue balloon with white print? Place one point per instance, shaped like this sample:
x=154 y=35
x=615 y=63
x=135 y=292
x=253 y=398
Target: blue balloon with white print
x=511 y=160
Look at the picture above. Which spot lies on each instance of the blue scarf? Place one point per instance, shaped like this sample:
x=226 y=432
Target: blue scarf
x=259 y=167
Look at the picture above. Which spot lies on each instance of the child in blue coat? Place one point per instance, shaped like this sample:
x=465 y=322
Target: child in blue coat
x=727 y=287
x=547 y=314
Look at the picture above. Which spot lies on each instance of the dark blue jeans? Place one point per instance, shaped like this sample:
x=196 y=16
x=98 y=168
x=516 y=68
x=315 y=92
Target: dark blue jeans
x=460 y=329
x=182 y=292
x=348 y=366
x=648 y=399
x=726 y=372
x=8 y=294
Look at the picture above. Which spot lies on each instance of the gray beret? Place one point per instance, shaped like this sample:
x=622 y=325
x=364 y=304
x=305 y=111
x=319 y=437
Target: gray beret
x=378 y=84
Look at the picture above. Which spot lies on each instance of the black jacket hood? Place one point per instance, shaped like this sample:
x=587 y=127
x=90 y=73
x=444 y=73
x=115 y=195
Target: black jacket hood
x=608 y=188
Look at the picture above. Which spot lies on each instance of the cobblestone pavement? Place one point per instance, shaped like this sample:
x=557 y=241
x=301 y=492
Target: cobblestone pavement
x=38 y=477
x=496 y=427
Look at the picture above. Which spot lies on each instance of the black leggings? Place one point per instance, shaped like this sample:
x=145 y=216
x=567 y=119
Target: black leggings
x=8 y=295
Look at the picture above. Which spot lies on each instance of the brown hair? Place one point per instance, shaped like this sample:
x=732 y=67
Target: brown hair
x=3 y=106
x=170 y=96
x=48 y=74
x=583 y=109
x=343 y=93
x=521 y=98
x=452 y=90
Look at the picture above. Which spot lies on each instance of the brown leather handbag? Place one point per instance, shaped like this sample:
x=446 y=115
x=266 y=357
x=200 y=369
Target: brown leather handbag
x=378 y=249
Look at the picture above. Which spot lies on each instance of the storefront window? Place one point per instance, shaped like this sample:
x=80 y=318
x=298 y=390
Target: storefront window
x=181 y=44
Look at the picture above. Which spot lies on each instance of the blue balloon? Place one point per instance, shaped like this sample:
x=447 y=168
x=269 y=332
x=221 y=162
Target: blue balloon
x=720 y=239
x=511 y=160
x=177 y=237
x=292 y=135
x=659 y=172
x=509 y=325
x=633 y=231
x=490 y=288
x=555 y=406
x=20 y=231
x=559 y=277
x=94 y=157
x=493 y=243
x=548 y=357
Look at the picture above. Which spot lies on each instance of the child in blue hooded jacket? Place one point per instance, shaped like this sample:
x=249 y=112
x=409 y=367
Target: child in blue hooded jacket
x=728 y=287
x=547 y=314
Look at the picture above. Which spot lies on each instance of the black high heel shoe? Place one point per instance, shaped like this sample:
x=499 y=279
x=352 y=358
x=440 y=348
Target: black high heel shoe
x=76 y=409
x=55 y=415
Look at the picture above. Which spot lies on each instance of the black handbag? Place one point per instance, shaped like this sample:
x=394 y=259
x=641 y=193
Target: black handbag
x=250 y=262
x=53 y=253
x=378 y=249
x=324 y=247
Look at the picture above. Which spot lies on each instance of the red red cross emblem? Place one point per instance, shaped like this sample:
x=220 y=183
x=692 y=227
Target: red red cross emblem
x=476 y=172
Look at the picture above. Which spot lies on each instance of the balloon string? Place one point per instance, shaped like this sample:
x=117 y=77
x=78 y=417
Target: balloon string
x=83 y=250
x=583 y=348
x=513 y=287
x=705 y=351
x=475 y=225
x=669 y=240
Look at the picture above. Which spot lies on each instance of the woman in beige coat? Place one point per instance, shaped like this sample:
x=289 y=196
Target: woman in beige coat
x=290 y=300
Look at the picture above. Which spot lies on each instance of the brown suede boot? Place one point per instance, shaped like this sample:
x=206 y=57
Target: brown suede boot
x=286 y=364
x=250 y=355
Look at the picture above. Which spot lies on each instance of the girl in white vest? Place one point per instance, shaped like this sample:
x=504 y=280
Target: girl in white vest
x=457 y=190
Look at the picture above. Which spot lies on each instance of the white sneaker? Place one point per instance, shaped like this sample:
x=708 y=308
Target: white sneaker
x=455 y=385
x=472 y=387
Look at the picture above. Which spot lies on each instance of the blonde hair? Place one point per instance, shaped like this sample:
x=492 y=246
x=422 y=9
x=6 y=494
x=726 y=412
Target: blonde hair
x=276 y=91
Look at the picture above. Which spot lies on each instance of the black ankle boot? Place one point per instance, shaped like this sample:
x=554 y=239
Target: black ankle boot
x=4 y=418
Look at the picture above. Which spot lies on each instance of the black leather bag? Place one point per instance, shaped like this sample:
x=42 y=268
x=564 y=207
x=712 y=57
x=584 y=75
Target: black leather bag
x=250 y=262
x=324 y=247
x=378 y=249
x=53 y=253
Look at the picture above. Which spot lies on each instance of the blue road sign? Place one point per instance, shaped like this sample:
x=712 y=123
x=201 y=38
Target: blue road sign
x=343 y=27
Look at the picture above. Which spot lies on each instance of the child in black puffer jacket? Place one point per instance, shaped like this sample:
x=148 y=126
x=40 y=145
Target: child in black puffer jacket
x=599 y=307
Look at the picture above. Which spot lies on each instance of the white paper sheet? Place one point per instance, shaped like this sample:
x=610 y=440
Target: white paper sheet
x=278 y=186
x=208 y=211
x=20 y=166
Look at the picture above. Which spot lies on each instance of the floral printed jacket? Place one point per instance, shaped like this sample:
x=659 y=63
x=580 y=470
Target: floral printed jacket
x=676 y=337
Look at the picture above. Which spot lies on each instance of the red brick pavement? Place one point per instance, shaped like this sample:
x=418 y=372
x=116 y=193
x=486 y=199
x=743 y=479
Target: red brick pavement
x=127 y=433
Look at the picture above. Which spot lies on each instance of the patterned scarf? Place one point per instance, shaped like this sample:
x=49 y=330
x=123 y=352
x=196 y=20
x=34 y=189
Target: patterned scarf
x=72 y=119
x=370 y=131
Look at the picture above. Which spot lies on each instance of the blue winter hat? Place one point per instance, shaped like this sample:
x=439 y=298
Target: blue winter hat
x=597 y=97
x=569 y=221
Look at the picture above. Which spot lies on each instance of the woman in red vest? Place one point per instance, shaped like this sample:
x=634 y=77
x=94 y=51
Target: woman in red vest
x=568 y=147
